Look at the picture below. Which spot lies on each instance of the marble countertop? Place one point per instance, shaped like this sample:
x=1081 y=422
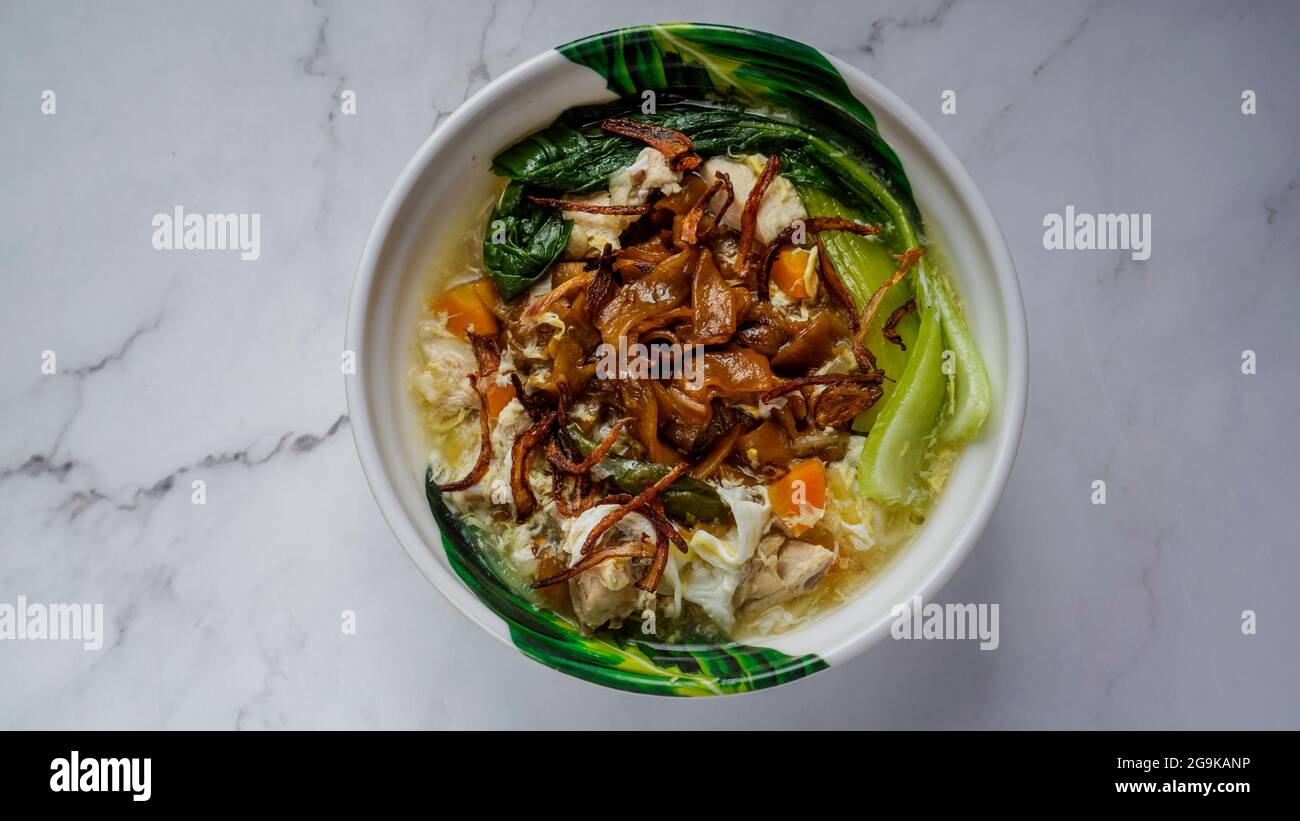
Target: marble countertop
x=176 y=367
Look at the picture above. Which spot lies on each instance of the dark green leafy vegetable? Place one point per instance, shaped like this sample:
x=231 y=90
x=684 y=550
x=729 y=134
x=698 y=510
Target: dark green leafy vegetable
x=757 y=69
x=522 y=240
x=574 y=155
x=563 y=158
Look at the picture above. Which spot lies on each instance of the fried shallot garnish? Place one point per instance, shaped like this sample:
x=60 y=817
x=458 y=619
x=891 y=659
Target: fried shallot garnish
x=637 y=503
x=619 y=551
x=520 y=451
x=905 y=261
x=591 y=207
x=812 y=225
x=477 y=472
x=536 y=404
x=868 y=378
x=691 y=233
x=840 y=404
x=840 y=292
x=749 y=217
x=665 y=532
x=544 y=302
x=649 y=582
x=674 y=145
x=896 y=317
x=602 y=286
x=655 y=513
x=486 y=353
x=556 y=456
x=582 y=499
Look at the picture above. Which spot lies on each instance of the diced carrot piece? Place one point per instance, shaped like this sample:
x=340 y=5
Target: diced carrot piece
x=787 y=272
x=467 y=309
x=487 y=291
x=801 y=491
x=498 y=396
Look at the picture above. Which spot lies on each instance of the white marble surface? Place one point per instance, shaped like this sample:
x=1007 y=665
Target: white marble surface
x=183 y=366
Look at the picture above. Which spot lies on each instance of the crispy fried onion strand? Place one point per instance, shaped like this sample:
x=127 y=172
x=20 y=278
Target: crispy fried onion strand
x=581 y=483
x=749 y=217
x=869 y=378
x=591 y=207
x=840 y=292
x=581 y=502
x=840 y=404
x=666 y=535
x=555 y=454
x=486 y=353
x=674 y=145
x=520 y=451
x=618 y=551
x=896 y=317
x=544 y=302
x=477 y=472
x=691 y=233
x=655 y=513
x=602 y=286
x=812 y=225
x=905 y=261
x=536 y=404
x=637 y=502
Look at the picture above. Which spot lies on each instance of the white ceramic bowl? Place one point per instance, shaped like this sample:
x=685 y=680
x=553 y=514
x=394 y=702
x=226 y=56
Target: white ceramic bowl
x=447 y=180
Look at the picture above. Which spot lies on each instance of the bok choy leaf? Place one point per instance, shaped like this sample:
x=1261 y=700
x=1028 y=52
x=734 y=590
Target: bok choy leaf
x=522 y=240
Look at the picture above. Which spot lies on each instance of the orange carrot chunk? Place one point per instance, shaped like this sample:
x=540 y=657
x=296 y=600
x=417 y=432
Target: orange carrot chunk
x=787 y=272
x=467 y=308
x=497 y=397
x=799 y=495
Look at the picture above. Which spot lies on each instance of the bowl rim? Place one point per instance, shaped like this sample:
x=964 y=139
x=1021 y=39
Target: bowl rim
x=1013 y=404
